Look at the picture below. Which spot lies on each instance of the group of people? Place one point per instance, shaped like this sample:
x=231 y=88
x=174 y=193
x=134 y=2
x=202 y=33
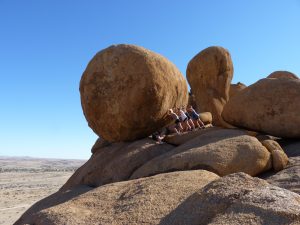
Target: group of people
x=185 y=119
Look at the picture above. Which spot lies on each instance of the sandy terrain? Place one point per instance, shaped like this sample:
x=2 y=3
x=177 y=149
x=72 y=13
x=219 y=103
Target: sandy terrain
x=24 y=180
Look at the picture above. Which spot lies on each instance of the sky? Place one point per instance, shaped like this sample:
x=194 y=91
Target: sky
x=46 y=45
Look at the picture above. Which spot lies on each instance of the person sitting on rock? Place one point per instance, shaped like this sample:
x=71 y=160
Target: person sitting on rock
x=183 y=119
x=158 y=137
x=195 y=117
x=177 y=127
x=190 y=121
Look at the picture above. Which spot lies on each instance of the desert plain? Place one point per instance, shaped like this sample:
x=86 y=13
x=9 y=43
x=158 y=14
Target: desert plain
x=26 y=180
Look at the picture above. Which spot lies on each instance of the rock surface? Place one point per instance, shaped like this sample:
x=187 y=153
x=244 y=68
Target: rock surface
x=116 y=162
x=209 y=74
x=288 y=178
x=189 y=197
x=282 y=74
x=143 y=201
x=271 y=106
x=222 y=151
x=236 y=88
x=179 y=139
x=126 y=91
x=240 y=199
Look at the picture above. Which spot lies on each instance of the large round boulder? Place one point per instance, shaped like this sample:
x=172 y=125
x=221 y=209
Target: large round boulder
x=271 y=106
x=126 y=91
x=282 y=74
x=209 y=74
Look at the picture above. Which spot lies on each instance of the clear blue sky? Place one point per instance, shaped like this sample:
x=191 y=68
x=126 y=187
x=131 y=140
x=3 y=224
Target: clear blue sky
x=46 y=45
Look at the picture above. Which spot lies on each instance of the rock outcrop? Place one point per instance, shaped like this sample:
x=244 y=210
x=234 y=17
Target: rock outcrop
x=236 y=88
x=189 y=197
x=271 y=106
x=222 y=152
x=282 y=74
x=209 y=74
x=126 y=91
x=199 y=177
x=115 y=162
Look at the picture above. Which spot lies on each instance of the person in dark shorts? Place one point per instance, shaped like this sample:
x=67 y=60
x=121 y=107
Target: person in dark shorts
x=195 y=117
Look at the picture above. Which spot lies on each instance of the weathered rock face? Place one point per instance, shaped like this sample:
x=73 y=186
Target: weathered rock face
x=236 y=88
x=115 y=162
x=282 y=74
x=270 y=105
x=126 y=91
x=143 y=201
x=209 y=74
x=222 y=152
x=188 y=197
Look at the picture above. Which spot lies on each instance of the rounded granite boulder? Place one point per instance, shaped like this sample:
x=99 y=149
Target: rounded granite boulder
x=209 y=74
x=126 y=91
x=270 y=106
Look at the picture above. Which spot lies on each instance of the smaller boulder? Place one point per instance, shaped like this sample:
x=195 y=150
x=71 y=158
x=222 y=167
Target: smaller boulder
x=283 y=74
x=206 y=117
x=279 y=158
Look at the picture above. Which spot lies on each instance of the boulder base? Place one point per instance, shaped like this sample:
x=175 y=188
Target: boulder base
x=187 y=197
x=222 y=151
x=115 y=162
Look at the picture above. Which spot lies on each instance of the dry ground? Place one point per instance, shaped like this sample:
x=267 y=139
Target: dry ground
x=23 y=181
